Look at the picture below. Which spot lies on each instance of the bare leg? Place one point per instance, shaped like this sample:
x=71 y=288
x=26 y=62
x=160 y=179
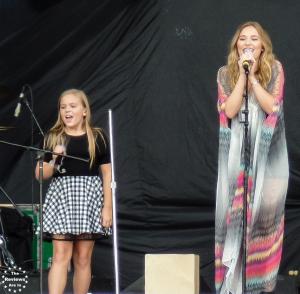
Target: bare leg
x=57 y=278
x=82 y=255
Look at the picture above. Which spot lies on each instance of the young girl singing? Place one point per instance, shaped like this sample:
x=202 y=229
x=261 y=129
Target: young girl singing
x=78 y=204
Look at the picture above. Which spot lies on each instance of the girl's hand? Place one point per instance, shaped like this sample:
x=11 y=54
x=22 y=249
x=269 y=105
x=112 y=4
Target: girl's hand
x=58 y=149
x=106 y=216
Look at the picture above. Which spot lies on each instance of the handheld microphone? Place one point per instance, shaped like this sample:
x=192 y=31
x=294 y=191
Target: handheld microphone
x=247 y=63
x=59 y=163
x=19 y=105
x=58 y=160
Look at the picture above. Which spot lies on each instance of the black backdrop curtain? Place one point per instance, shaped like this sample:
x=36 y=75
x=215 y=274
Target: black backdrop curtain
x=154 y=63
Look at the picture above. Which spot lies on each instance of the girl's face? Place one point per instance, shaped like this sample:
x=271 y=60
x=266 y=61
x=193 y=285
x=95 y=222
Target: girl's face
x=72 y=112
x=249 y=38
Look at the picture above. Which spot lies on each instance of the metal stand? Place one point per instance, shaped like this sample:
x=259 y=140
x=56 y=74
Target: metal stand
x=40 y=156
x=114 y=203
x=246 y=176
x=7 y=257
x=10 y=267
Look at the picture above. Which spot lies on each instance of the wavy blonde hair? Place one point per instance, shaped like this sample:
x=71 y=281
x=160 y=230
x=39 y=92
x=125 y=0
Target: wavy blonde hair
x=57 y=135
x=266 y=58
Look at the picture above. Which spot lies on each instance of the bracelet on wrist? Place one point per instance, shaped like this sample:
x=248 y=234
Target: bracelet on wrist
x=254 y=82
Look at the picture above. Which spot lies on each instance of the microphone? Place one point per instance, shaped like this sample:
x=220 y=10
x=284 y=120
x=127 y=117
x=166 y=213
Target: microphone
x=58 y=164
x=58 y=160
x=19 y=105
x=247 y=63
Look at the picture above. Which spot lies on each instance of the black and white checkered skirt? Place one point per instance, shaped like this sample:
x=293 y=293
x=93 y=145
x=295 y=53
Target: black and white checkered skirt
x=72 y=209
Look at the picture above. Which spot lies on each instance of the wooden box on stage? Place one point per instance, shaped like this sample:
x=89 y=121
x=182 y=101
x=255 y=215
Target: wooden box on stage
x=172 y=274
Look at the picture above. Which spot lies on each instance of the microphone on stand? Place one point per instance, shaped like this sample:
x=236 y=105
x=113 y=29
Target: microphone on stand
x=19 y=105
x=247 y=63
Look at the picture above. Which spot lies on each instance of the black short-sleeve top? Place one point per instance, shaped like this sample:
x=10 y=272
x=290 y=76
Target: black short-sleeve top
x=78 y=146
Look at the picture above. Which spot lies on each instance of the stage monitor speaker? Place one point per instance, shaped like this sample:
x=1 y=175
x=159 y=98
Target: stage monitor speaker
x=172 y=274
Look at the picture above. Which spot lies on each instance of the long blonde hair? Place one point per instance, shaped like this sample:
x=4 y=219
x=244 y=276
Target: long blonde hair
x=266 y=59
x=57 y=135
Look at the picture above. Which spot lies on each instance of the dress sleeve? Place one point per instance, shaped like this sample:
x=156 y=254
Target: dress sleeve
x=277 y=86
x=103 y=148
x=223 y=93
x=221 y=79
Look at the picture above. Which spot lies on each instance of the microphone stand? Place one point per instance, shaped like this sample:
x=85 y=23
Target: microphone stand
x=40 y=157
x=25 y=101
x=7 y=257
x=246 y=143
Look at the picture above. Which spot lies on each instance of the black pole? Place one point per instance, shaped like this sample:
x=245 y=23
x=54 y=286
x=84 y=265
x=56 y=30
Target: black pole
x=31 y=148
x=41 y=173
x=246 y=176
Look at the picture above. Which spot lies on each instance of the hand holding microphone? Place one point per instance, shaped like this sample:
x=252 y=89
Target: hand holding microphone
x=57 y=160
x=247 y=59
x=58 y=149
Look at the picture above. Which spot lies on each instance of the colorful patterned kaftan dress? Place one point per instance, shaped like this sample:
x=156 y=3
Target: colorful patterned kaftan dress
x=267 y=187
